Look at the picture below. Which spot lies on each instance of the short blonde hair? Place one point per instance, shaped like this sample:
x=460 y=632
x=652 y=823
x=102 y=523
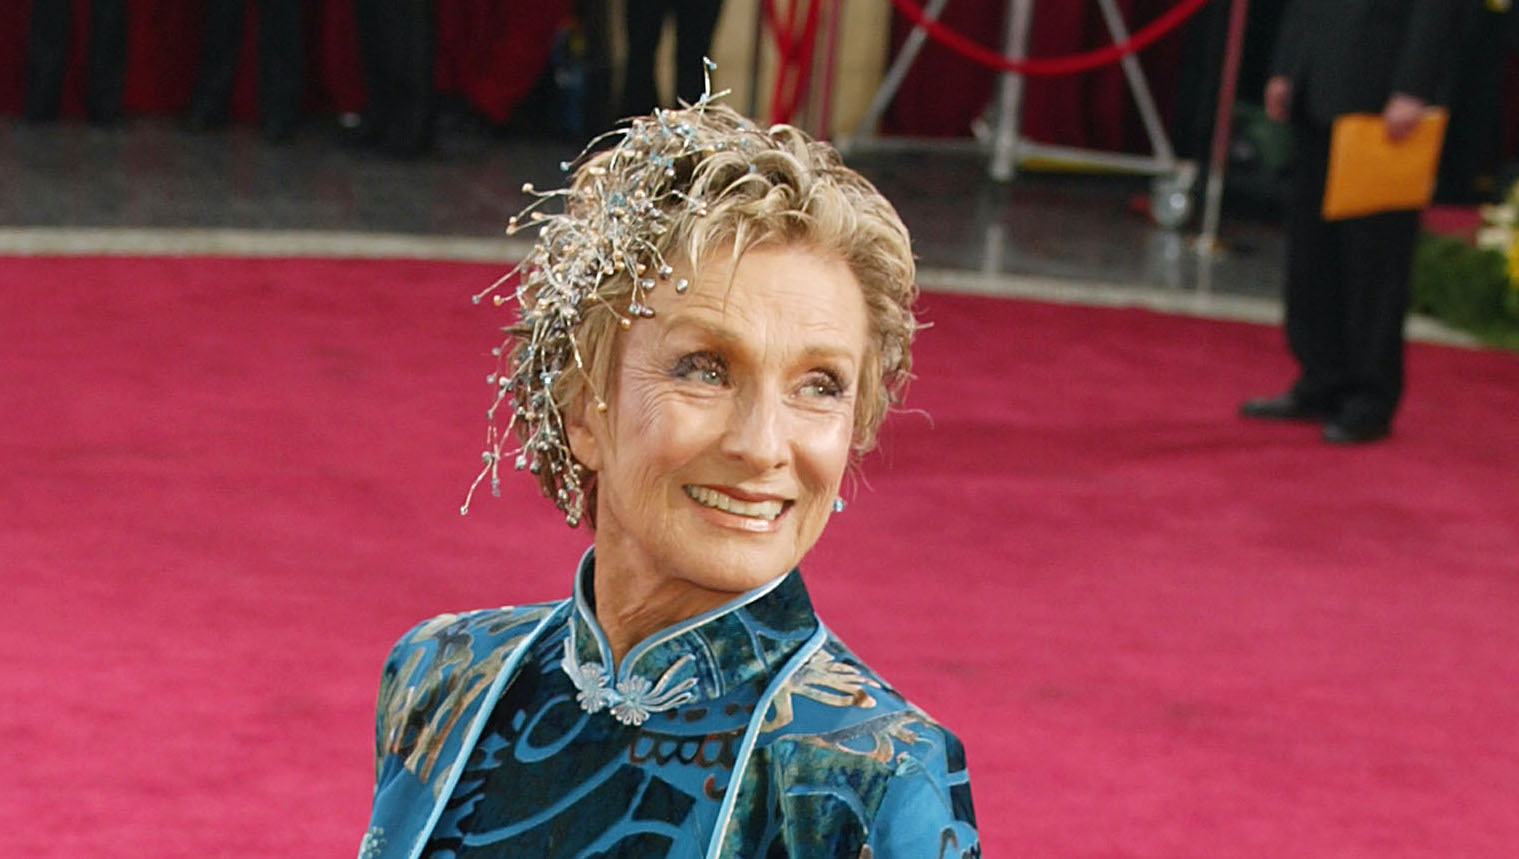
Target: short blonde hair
x=741 y=188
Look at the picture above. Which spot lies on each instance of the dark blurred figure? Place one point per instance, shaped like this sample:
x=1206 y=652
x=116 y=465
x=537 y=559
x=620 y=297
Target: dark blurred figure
x=281 y=66
x=48 y=53
x=695 y=21
x=1253 y=183
x=1348 y=281
x=397 y=43
x=1472 y=157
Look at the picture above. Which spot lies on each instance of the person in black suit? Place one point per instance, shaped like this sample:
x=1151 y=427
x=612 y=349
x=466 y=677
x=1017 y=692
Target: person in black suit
x=281 y=55
x=1348 y=288
x=1472 y=158
x=695 y=22
x=397 y=46
x=47 y=55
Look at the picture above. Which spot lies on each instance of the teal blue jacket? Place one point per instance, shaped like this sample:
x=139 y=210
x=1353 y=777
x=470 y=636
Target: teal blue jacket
x=748 y=731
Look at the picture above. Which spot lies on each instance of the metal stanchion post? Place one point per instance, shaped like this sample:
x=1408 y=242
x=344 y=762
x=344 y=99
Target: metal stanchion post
x=894 y=77
x=999 y=132
x=830 y=61
x=1010 y=92
x=1154 y=127
x=1223 y=122
x=756 y=55
x=1171 y=187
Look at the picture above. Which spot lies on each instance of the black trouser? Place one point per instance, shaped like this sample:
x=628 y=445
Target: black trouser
x=396 y=47
x=695 y=21
x=1472 y=154
x=281 y=61
x=1348 y=288
x=47 y=54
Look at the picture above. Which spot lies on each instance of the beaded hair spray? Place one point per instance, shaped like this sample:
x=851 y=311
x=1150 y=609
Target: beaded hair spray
x=618 y=206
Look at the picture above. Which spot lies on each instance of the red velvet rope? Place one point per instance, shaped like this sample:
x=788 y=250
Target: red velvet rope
x=795 y=50
x=785 y=48
x=808 y=40
x=981 y=55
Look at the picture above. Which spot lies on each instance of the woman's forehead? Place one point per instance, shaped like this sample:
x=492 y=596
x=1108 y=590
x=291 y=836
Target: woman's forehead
x=808 y=302
x=774 y=277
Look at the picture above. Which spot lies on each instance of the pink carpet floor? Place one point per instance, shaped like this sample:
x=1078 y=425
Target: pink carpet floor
x=227 y=485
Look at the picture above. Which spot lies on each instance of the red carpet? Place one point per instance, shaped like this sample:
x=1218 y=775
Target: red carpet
x=226 y=486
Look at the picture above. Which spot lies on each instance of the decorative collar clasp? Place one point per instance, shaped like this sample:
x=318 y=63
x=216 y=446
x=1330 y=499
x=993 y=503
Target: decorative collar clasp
x=634 y=697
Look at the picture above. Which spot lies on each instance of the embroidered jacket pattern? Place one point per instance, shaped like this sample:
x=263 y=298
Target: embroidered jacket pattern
x=748 y=731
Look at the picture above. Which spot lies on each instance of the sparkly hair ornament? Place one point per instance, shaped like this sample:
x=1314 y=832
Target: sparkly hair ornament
x=618 y=206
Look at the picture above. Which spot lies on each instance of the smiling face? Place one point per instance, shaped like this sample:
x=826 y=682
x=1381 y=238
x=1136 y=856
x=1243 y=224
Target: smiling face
x=728 y=429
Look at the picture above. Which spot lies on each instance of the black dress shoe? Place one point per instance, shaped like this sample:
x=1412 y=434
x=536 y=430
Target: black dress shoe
x=1343 y=433
x=1283 y=408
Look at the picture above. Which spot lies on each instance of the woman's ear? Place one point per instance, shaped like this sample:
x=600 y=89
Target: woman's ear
x=585 y=425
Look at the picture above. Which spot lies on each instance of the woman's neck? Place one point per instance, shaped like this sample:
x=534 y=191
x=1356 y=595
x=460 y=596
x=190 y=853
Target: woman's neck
x=633 y=605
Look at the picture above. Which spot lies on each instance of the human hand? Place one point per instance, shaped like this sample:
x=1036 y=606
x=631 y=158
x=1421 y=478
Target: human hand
x=1402 y=115
x=1279 y=98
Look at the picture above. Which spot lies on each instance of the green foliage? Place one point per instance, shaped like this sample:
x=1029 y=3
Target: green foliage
x=1467 y=288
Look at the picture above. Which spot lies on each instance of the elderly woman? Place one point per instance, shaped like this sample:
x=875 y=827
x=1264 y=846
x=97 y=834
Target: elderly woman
x=711 y=331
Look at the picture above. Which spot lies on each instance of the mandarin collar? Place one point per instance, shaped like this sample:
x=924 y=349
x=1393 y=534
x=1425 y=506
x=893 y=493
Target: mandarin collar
x=743 y=641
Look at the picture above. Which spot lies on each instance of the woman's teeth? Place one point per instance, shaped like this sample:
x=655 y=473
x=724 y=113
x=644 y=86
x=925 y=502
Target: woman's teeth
x=767 y=510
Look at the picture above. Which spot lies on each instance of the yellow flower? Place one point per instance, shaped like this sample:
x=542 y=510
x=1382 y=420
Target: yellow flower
x=1513 y=265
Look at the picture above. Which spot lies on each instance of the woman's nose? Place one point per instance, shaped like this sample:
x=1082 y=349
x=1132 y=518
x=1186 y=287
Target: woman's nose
x=758 y=432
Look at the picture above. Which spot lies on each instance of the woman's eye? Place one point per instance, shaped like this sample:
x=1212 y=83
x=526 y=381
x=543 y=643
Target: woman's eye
x=702 y=367
x=823 y=384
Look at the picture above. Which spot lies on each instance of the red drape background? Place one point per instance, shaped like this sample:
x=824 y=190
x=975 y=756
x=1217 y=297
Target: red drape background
x=492 y=51
x=489 y=51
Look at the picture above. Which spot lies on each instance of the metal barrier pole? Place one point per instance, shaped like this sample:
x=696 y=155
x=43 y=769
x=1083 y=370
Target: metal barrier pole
x=835 y=20
x=756 y=55
x=1004 y=161
x=1223 y=123
x=895 y=75
x=1154 y=127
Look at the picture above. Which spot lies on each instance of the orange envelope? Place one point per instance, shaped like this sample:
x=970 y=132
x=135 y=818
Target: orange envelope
x=1369 y=174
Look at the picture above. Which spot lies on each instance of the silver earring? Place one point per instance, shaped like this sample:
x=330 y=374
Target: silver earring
x=838 y=505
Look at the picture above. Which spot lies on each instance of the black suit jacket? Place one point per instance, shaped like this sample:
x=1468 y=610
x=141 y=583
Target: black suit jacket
x=1349 y=56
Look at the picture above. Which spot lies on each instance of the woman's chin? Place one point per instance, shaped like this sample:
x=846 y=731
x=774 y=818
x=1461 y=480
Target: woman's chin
x=735 y=559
